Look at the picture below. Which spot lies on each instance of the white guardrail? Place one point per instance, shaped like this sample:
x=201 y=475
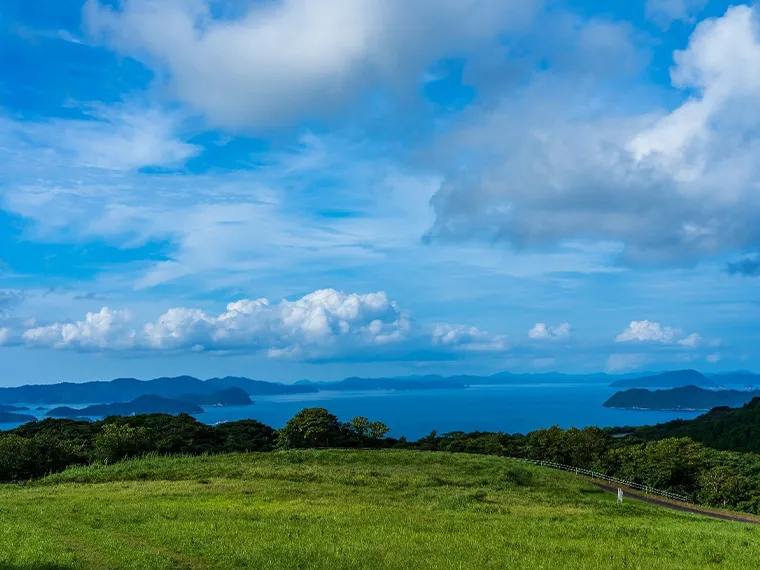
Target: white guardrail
x=601 y=476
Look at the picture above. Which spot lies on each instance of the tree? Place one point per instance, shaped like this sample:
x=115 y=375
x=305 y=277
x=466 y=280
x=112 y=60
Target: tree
x=674 y=463
x=722 y=486
x=171 y=435
x=362 y=431
x=549 y=445
x=311 y=427
x=120 y=441
x=587 y=446
x=246 y=435
x=13 y=454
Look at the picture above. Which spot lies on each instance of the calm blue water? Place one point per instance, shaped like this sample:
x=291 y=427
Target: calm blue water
x=511 y=409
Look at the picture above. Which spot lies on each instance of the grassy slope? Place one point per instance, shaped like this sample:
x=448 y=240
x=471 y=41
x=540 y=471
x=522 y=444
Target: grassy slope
x=348 y=509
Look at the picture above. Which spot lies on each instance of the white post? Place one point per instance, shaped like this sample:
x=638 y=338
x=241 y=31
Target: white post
x=620 y=496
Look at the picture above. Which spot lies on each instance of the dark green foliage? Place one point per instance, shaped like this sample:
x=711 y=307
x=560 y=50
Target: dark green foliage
x=674 y=464
x=734 y=429
x=480 y=442
x=120 y=441
x=24 y=458
x=311 y=428
x=246 y=435
x=361 y=432
x=78 y=432
x=721 y=486
x=171 y=435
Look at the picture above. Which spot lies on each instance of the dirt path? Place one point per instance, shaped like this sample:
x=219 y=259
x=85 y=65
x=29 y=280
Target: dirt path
x=676 y=506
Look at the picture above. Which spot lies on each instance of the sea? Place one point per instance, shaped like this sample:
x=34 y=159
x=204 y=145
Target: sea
x=414 y=414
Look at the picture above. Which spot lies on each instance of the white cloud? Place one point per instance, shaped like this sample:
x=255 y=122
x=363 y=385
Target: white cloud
x=4 y=336
x=544 y=331
x=117 y=137
x=692 y=340
x=223 y=226
x=276 y=61
x=665 y=12
x=648 y=331
x=675 y=186
x=325 y=320
x=467 y=338
x=322 y=325
x=106 y=329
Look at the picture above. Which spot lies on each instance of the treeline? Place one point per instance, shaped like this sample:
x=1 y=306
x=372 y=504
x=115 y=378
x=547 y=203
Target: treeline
x=731 y=429
x=680 y=464
x=36 y=449
x=677 y=464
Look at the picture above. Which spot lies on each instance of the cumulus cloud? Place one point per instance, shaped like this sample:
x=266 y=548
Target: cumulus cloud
x=691 y=340
x=276 y=61
x=326 y=320
x=665 y=12
x=106 y=329
x=648 y=331
x=544 y=331
x=467 y=338
x=322 y=325
x=671 y=187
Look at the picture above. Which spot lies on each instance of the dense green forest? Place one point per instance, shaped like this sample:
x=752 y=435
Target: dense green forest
x=707 y=459
x=730 y=429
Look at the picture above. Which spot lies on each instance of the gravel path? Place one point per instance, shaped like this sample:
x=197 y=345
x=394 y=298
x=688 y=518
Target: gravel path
x=675 y=506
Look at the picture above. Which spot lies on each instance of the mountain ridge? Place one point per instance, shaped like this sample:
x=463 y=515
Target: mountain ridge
x=128 y=389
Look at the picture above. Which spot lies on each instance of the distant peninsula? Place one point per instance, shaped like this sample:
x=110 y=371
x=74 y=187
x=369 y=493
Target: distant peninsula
x=141 y=405
x=683 y=398
x=672 y=379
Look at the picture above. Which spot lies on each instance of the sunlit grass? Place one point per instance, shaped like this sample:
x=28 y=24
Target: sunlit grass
x=348 y=509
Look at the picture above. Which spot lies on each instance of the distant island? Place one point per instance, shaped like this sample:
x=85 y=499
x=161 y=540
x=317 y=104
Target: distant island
x=11 y=418
x=673 y=379
x=141 y=405
x=226 y=391
x=237 y=390
x=226 y=397
x=421 y=383
x=127 y=389
x=683 y=398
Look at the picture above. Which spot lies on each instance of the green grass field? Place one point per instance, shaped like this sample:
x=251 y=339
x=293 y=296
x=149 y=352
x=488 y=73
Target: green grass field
x=349 y=509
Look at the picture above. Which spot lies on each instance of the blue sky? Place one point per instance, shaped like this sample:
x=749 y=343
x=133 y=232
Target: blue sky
x=304 y=188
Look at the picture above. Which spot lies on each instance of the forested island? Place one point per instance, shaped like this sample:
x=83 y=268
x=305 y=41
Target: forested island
x=685 y=398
